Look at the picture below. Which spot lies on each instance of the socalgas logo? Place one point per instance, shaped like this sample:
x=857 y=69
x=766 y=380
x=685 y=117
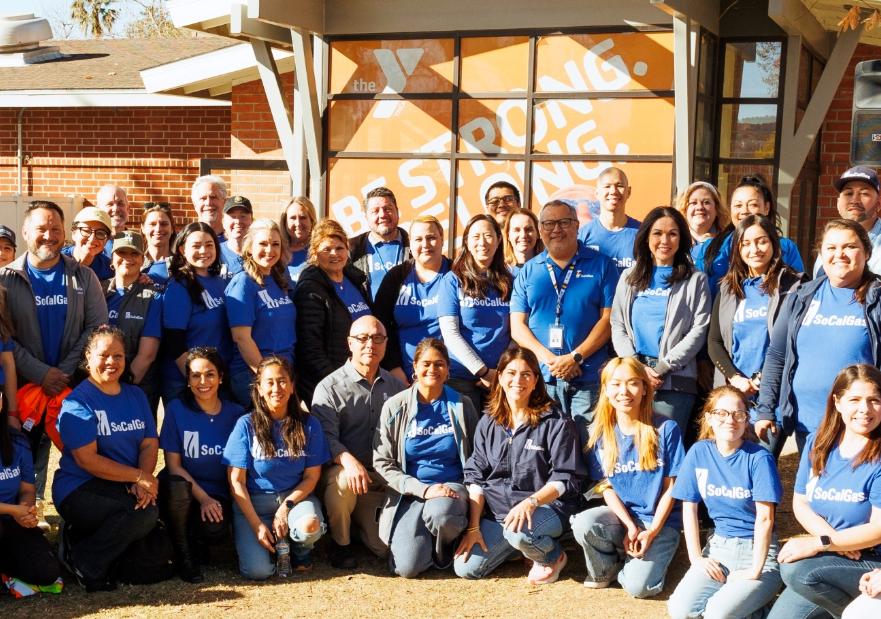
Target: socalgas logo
x=743 y=313
x=280 y=452
x=655 y=292
x=211 y=302
x=50 y=300
x=712 y=490
x=835 y=495
x=357 y=308
x=472 y=302
x=192 y=448
x=107 y=427
x=271 y=303
x=438 y=430
x=814 y=317
x=407 y=298
x=631 y=466
x=10 y=473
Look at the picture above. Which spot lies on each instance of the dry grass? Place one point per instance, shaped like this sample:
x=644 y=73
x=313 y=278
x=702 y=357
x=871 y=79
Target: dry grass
x=371 y=592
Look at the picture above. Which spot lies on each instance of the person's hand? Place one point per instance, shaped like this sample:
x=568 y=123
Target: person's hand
x=564 y=367
x=870 y=583
x=357 y=477
x=436 y=491
x=211 y=510
x=798 y=548
x=280 y=522
x=711 y=567
x=745 y=574
x=265 y=537
x=763 y=427
x=149 y=484
x=630 y=538
x=853 y=555
x=654 y=377
x=468 y=542
x=519 y=515
x=143 y=499
x=25 y=515
x=643 y=542
x=744 y=384
x=54 y=381
x=486 y=382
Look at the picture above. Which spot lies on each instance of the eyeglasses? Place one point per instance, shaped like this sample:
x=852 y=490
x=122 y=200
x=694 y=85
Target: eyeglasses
x=162 y=206
x=497 y=202
x=376 y=339
x=86 y=232
x=548 y=225
x=721 y=414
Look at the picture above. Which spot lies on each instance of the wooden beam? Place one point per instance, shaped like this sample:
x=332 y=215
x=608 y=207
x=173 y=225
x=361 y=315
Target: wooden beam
x=685 y=101
x=240 y=25
x=702 y=11
x=304 y=14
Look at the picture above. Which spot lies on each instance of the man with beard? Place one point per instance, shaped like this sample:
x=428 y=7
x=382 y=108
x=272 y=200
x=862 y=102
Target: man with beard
x=54 y=302
x=385 y=245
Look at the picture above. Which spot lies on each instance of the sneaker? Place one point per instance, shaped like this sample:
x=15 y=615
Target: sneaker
x=301 y=563
x=596 y=584
x=341 y=557
x=42 y=523
x=542 y=574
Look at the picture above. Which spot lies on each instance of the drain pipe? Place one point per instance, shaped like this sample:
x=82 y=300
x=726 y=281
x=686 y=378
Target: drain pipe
x=20 y=151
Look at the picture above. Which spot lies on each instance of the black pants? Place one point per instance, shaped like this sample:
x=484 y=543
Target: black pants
x=103 y=522
x=26 y=554
x=198 y=530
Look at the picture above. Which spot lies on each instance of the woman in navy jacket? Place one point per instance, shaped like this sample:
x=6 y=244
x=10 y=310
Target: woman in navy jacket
x=523 y=476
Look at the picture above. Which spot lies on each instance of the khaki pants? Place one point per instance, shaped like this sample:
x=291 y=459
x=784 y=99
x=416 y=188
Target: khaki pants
x=345 y=507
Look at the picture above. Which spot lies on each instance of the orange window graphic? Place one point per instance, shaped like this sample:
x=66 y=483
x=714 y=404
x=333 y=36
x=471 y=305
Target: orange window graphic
x=402 y=66
x=494 y=64
x=390 y=126
x=473 y=178
x=492 y=126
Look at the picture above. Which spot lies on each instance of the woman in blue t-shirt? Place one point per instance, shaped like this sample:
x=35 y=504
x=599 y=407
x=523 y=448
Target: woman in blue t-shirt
x=296 y=223
x=837 y=499
x=259 y=306
x=194 y=496
x=827 y=324
x=521 y=238
x=749 y=301
x=473 y=309
x=736 y=574
x=104 y=487
x=661 y=312
x=193 y=312
x=26 y=554
x=635 y=456
x=274 y=455
x=407 y=300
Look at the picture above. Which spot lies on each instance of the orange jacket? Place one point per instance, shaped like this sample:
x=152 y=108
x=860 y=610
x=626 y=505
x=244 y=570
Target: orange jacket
x=34 y=405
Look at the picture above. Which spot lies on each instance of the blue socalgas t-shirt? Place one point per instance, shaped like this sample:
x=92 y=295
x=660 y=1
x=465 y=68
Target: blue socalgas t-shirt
x=352 y=299
x=233 y=261
x=729 y=485
x=833 y=335
x=50 y=297
x=484 y=323
x=270 y=313
x=430 y=448
x=205 y=323
x=720 y=266
x=749 y=336
x=152 y=322
x=297 y=264
x=278 y=472
x=19 y=469
x=617 y=245
x=117 y=423
x=415 y=312
x=649 y=311
x=382 y=258
x=639 y=490
x=100 y=263
x=843 y=496
x=591 y=289
x=199 y=439
x=157 y=271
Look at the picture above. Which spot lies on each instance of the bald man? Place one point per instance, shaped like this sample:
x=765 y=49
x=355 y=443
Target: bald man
x=113 y=200
x=347 y=402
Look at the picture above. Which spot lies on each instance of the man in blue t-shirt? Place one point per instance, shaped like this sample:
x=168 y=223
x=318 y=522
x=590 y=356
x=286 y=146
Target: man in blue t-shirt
x=54 y=303
x=237 y=218
x=613 y=232
x=560 y=310
x=384 y=245
x=501 y=198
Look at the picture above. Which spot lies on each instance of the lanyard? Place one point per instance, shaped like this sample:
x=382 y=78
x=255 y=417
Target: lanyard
x=378 y=261
x=561 y=290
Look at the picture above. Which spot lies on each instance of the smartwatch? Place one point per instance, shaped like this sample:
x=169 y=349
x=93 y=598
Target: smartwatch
x=578 y=357
x=289 y=504
x=825 y=541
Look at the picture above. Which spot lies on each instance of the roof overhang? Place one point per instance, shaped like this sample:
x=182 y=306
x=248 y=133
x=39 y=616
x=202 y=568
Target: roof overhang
x=100 y=98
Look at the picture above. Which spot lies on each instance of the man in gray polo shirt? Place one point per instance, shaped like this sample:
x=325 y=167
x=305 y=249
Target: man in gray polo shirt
x=347 y=402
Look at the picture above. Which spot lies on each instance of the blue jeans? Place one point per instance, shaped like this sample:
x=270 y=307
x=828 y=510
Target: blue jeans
x=698 y=595
x=821 y=585
x=257 y=563
x=675 y=405
x=425 y=529
x=775 y=442
x=540 y=543
x=577 y=401
x=240 y=385
x=601 y=535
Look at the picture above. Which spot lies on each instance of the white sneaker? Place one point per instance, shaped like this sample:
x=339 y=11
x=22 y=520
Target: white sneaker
x=42 y=523
x=593 y=584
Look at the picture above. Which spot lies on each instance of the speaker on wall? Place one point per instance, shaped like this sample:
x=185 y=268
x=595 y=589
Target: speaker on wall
x=865 y=135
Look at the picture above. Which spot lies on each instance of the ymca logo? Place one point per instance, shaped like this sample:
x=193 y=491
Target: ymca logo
x=397 y=66
x=191 y=444
x=103 y=423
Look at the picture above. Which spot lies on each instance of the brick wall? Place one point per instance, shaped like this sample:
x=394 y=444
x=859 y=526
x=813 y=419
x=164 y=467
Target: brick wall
x=153 y=152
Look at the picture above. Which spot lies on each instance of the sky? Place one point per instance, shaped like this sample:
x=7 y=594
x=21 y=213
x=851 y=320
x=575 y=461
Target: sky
x=58 y=11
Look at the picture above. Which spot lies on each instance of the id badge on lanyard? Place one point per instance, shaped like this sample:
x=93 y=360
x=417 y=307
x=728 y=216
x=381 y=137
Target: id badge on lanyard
x=556 y=337
x=556 y=331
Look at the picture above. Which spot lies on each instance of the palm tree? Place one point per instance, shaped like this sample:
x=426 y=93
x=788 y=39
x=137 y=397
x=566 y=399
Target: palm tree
x=95 y=17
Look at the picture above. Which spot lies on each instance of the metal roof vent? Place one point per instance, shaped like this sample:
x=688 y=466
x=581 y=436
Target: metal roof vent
x=20 y=38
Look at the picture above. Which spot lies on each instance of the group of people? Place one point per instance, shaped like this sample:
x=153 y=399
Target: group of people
x=602 y=381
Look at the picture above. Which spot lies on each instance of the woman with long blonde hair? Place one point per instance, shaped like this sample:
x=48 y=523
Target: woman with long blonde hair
x=635 y=456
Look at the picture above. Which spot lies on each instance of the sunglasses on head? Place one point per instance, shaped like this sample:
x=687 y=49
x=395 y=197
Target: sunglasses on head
x=162 y=206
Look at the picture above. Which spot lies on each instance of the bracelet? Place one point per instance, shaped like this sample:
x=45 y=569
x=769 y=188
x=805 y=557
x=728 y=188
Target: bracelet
x=140 y=475
x=472 y=529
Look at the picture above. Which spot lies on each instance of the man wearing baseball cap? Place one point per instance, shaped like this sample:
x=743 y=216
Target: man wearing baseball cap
x=858 y=200
x=7 y=245
x=91 y=229
x=237 y=218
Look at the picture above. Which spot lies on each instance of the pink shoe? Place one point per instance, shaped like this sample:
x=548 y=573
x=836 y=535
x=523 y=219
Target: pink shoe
x=542 y=574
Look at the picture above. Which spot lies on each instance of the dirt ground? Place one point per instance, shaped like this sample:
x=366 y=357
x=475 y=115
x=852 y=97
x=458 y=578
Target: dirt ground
x=371 y=591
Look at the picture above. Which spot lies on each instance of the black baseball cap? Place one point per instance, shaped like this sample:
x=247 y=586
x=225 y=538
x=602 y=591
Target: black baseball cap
x=237 y=202
x=859 y=173
x=7 y=233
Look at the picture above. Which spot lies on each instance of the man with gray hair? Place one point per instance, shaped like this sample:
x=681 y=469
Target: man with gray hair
x=560 y=310
x=113 y=200
x=209 y=195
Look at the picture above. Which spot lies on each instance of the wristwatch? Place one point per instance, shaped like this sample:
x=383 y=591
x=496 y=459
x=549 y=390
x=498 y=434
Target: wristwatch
x=533 y=501
x=578 y=357
x=289 y=504
x=825 y=542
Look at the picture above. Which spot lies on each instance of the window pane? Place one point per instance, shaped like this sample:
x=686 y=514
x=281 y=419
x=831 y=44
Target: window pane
x=730 y=175
x=604 y=126
x=474 y=178
x=421 y=187
x=575 y=181
x=752 y=69
x=703 y=137
x=604 y=62
x=494 y=64
x=707 y=68
x=390 y=126
x=748 y=131
x=414 y=65
x=492 y=126
x=703 y=170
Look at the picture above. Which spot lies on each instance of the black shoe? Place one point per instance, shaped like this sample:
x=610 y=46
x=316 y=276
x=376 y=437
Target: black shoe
x=341 y=557
x=190 y=572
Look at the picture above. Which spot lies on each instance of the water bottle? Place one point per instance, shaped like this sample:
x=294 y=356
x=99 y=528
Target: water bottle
x=283 y=558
